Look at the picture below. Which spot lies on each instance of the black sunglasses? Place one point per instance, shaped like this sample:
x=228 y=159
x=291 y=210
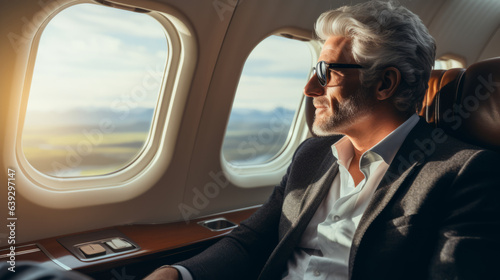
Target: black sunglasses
x=322 y=67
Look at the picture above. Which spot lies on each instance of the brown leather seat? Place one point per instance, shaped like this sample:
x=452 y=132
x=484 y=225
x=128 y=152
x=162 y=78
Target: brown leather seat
x=464 y=102
x=441 y=94
x=428 y=106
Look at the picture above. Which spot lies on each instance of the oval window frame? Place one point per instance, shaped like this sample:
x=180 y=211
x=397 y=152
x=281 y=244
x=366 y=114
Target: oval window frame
x=141 y=174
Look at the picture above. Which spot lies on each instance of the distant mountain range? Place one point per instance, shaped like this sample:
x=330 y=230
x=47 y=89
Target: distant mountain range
x=133 y=120
x=137 y=119
x=280 y=114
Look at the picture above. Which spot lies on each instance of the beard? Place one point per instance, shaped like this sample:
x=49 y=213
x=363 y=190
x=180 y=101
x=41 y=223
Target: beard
x=344 y=114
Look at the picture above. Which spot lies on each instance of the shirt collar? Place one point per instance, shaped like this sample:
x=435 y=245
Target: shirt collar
x=386 y=149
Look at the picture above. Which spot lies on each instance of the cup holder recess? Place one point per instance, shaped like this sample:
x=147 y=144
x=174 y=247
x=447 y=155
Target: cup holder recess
x=218 y=224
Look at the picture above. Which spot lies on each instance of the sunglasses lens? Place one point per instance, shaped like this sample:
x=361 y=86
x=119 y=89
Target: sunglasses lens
x=321 y=73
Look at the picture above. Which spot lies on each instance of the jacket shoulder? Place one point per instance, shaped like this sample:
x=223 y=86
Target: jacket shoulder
x=316 y=146
x=437 y=145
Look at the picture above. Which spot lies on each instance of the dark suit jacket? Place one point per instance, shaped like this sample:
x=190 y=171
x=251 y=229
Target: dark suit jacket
x=435 y=215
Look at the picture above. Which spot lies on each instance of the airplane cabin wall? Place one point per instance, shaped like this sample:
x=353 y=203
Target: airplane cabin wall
x=160 y=203
x=224 y=40
x=197 y=149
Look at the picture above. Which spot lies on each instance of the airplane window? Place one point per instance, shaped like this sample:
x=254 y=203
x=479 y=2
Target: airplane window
x=268 y=95
x=448 y=62
x=95 y=84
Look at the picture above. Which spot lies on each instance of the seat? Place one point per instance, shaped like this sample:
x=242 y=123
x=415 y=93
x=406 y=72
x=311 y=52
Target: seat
x=466 y=103
x=475 y=116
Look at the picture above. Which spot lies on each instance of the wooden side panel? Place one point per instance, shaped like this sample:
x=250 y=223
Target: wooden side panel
x=157 y=243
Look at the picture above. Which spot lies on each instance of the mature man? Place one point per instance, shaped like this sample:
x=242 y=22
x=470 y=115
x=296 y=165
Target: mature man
x=392 y=198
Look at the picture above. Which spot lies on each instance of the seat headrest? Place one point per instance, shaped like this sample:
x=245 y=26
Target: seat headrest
x=441 y=94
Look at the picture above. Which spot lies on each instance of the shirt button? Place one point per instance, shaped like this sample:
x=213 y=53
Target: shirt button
x=336 y=218
x=317 y=273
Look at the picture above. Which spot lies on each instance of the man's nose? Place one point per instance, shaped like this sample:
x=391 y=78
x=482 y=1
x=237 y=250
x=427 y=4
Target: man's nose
x=313 y=87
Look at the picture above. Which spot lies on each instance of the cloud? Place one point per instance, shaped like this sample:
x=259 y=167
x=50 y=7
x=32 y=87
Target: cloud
x=97 y=19
x=274 y=75
x=267 y=93
x=280 y=56
x=90 y=56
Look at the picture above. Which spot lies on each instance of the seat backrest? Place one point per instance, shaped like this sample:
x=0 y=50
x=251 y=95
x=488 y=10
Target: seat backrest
x=474 y=116
x=466 y=103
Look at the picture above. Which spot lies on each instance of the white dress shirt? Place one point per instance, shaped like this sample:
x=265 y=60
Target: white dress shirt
x=323 y=252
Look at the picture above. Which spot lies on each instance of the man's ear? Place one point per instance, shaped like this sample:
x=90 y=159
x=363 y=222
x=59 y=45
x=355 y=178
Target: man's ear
x=388 y=83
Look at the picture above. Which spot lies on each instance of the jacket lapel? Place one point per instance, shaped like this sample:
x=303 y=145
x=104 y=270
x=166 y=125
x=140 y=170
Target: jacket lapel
x=310 y=201
x=408 y=159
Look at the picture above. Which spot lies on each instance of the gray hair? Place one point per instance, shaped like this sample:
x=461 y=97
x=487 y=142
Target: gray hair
x=384 y=34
